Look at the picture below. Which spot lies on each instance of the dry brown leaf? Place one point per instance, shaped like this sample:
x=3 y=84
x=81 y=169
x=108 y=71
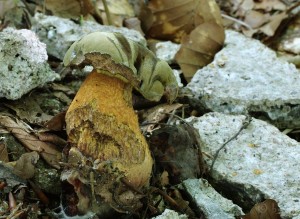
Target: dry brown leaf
x=171 y=19
x=269 y=5
x=6 y=6
x=57 y=123
x=11 y=179
x=119 y=10
x=60 y=87
x=70 y=8
x=255 y=18
x=164 y=178
x=157 y=114
x=275 y=20
x=247 y=5
x=265 y=210
x=174 y=19
x=175 y=150
x=199 y=48
x=51 y=155
x=196 y=23
x=3 y=152
x=24 y=166
x=28 y=109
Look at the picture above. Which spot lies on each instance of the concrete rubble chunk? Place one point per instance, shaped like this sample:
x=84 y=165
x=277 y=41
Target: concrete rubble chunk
x=59 y=33
x=170 y=214
x=23 y=63
x=167 y=51
x=260 y=163
x=246 y=77
x=209 y=201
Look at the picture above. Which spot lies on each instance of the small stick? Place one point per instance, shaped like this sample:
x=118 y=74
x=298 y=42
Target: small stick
x=237 y=21
x=40 y=194
x=245 y=124
x=107 y=12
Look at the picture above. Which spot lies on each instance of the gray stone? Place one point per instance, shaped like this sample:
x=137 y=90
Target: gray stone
x=166 y=51
x=246 y=77
x=177 y=74
x=59 y=33
x=170 y=214
x=259 y=163
x=23 y=63
x=209 y=201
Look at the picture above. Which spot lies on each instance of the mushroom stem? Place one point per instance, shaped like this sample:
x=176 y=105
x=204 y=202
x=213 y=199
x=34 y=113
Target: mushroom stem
x=102 y=124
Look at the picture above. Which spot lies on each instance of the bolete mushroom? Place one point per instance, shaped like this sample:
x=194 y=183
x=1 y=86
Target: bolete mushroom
x=103 y=128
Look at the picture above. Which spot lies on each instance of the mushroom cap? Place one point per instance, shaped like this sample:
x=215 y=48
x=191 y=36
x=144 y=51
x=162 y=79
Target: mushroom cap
x=127 y=60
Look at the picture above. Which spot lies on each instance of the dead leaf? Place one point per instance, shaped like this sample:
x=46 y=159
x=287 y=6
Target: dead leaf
x=256 y=19
x=247 y=5
x=60 y=87
x=119 y=10
x=269 y=5
x=51 y=155
x=3 y=152
x=15 y=15
x=176 y=149
x=62 y=97
x=164 y=178
x=197 y=24
x=199 y=48
x=28 y=109
x=70 y=8
x=275 y=20
x=11 y=179
x=57 y=123
x=24 y=166
x=174 y=19
x=51 y=138
x=265 y=210
x=6 y=6
x=156 y=114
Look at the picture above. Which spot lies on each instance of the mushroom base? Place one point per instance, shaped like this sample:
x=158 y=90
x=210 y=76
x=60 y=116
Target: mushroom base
x=104 y=132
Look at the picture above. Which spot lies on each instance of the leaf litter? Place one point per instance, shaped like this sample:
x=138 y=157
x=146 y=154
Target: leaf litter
x=259 y=19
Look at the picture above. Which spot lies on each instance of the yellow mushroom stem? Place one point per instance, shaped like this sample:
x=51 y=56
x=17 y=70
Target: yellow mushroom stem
x=102 y=124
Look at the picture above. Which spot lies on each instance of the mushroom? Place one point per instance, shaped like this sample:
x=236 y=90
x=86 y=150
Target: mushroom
x=102 y=126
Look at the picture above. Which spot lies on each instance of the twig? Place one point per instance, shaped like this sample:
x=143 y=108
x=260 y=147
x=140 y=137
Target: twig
x=14 y=211
x=245 y=124
x=237 y=21
x=107 y=12
x=290 y=9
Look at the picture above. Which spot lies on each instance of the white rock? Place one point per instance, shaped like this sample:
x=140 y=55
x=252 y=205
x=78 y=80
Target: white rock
x=291 y=45
x=177 y=74
x=209 y=201
x=23 y=63
x=260 y=163
x=246 y=77
x=170 y=214
x=166 y=51
x=59 y=33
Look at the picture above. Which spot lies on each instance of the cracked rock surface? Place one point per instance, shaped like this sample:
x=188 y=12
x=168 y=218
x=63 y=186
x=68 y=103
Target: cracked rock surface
x=23 y=63
x=209 y=201
x=170 y=214
x=258 y=164
x=246 y=77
